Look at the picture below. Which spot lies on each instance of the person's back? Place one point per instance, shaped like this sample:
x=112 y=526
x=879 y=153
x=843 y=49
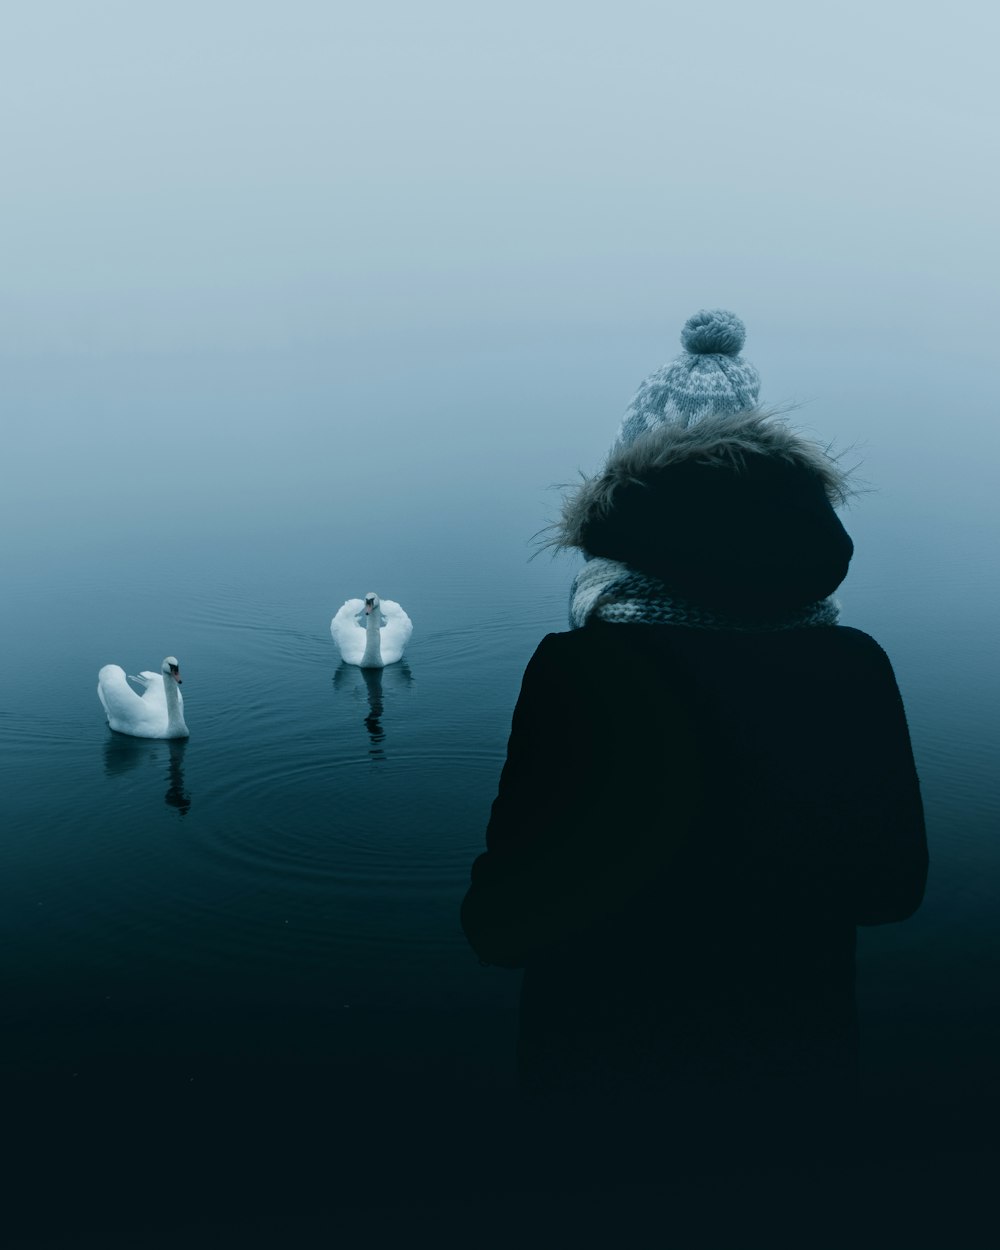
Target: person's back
x=771 y=775
x=708 y=785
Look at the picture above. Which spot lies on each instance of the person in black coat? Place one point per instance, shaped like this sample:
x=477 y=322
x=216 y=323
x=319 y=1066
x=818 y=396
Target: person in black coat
x=709 y=782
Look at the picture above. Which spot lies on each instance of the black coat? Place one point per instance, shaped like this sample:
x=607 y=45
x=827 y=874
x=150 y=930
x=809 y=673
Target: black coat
x=689 y=826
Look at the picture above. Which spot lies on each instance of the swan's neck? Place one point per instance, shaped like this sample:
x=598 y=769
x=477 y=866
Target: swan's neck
x=372 y=657
x=175 y=714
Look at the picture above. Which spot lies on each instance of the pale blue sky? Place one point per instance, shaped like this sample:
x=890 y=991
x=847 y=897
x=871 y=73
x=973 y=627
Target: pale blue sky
x=317 y=242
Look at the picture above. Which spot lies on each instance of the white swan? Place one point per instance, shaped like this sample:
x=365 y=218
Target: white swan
x=371 y=632
x=156 y=713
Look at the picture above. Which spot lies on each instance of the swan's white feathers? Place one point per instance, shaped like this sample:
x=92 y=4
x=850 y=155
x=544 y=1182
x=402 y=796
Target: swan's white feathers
x=143 y=715
x=350 y=635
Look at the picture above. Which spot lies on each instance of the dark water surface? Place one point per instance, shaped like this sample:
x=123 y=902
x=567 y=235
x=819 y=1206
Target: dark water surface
x=235 y=989
x=232 y=966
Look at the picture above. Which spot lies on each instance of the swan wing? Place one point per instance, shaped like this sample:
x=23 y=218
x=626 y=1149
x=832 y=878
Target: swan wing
x=153 y=695
x=396 y=631
x=348 y=632
x=116 y=695
x=142 y=715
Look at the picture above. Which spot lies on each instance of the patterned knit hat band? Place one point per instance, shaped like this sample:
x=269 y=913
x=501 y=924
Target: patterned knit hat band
x=709 y=377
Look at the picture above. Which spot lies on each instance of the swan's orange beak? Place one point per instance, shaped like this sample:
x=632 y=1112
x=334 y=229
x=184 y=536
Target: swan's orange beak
x=175 y=673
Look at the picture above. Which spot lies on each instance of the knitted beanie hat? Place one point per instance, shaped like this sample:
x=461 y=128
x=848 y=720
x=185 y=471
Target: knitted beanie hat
x=709 y=377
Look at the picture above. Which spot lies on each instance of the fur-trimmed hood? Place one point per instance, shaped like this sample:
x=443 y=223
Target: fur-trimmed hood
x=734 y=511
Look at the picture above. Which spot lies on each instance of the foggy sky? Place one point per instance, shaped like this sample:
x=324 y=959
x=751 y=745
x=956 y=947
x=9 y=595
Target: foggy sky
x=298 y=247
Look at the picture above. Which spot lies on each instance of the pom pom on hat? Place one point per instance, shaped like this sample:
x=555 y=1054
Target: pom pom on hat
x=709 y=377
x=713 y=332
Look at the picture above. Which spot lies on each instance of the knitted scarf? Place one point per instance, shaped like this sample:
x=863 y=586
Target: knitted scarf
x=611 y=591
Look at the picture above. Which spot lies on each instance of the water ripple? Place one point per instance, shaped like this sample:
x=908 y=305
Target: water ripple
x=340 y=823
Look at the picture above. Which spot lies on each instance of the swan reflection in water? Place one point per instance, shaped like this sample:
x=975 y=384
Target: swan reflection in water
x=369 y=684
x=123 y=753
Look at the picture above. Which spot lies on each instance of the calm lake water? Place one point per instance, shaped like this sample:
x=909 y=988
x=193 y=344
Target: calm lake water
x=233 y=975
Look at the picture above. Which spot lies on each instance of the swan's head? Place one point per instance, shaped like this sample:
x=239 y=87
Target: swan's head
x=170 y=668
x=371 y=602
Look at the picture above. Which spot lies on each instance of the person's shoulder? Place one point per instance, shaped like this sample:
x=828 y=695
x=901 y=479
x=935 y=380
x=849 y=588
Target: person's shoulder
x=855 y=647
x=851 y=638
x=558 y=648
x=561 y=642
x=553 y=668
x=568 y=650
x=594 y=637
